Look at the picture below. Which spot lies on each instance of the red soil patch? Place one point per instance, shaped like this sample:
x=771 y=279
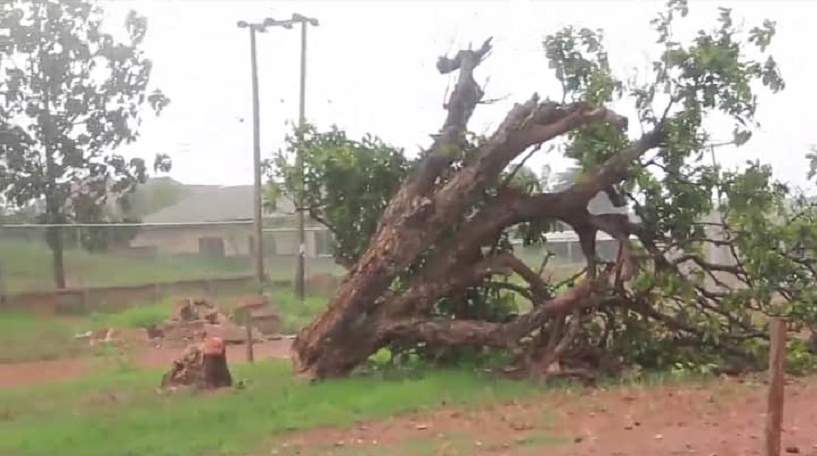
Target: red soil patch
x=31 y=373
x=725 y=418
x=152 y=358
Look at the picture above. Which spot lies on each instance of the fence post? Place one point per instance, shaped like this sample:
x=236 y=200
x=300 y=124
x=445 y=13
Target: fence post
x=3 y=298
x=774 y=404
x=84 y=297
x=248 y=328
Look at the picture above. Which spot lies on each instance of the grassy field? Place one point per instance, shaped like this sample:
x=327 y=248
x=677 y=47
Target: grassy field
x=26 y=337
x=27 y=267
x=120 y=414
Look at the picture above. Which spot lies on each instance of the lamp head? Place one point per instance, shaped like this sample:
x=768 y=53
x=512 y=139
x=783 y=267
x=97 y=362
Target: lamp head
x=301 y=18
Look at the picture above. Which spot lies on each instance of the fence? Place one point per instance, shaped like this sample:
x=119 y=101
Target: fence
x=115 y=255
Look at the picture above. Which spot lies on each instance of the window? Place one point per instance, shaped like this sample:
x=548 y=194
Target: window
x=324 y=243
x=211 y=246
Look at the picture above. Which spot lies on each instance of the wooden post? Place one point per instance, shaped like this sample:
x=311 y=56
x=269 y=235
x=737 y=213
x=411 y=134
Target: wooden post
x=3 y=298
x=248 y=327
x=774 y=405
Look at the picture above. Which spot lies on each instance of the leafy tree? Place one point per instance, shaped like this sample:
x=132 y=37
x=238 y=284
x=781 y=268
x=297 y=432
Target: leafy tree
x=667 y=301
x=72 y=94
x=155 y=195
x=347 y=183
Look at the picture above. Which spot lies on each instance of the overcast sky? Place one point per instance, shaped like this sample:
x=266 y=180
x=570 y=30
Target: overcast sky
x=371 y=69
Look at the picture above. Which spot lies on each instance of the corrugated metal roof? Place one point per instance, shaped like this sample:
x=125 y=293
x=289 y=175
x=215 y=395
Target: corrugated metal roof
x=214 y=204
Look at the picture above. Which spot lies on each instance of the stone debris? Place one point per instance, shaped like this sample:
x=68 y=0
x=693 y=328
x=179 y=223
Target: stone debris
x=194 y=319
x=116 y=337
x=265 y=318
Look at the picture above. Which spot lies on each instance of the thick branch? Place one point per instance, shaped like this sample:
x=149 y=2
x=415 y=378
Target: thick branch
x=482 y=333
x=423 y=294
x=512 y=207
x=460 y=106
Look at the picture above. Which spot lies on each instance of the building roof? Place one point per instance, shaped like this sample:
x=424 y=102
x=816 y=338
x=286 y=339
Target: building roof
x=214 y=204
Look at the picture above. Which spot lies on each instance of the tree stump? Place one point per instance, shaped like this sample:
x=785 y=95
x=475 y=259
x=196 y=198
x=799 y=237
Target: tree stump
x=201 y=366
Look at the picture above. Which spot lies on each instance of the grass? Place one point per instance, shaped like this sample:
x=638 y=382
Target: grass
x=140 y=316
x=119 y=414
x=27 y=266
x=25 y=337
x=294 y=314
x=28 y=337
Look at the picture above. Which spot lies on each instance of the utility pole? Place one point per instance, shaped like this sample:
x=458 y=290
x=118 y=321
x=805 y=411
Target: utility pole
x=300 y=283
x=300 y=271
x=258 y=27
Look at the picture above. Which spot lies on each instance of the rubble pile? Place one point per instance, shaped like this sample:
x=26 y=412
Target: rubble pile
x=117 y=337
x=195 y=319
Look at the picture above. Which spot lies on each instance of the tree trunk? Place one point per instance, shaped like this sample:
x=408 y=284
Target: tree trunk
x=201 y=366
x=54 y=211
x=346 y=334
x=366 y=313
x=55 y=244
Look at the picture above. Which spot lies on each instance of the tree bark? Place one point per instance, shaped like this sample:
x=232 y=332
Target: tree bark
x=56 y=245
x=365 y=313
x=201 y=366
x=54 y=211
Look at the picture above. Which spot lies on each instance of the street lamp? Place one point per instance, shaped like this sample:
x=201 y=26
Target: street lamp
x=257 y=27
x=300 y=271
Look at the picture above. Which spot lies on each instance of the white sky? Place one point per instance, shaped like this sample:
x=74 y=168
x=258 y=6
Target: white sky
x=371 y=69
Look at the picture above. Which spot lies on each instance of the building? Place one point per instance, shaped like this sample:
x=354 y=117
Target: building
x=217 y=221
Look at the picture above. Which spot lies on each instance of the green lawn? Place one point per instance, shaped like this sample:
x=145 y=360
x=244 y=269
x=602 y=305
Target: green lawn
x=24 y=337
x=27 y=266
x=27 y=337
x=120 y=413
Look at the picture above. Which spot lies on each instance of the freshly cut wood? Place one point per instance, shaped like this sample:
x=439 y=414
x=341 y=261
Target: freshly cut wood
x=201 y=366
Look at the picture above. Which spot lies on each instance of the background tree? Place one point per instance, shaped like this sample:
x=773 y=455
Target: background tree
x=72 y=94
x=663 y=302
x=347 y=183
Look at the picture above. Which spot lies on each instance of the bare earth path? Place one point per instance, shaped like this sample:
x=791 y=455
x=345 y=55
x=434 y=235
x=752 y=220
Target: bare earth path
x=724 y=418
x=721 y=418
x=32 y=373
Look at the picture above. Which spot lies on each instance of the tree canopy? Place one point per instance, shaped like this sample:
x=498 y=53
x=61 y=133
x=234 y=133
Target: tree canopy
x=705 y=254
x=72 y=93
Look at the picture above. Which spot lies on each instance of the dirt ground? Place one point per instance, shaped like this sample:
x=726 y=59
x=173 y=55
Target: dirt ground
x=722 y=419
x=32 y=373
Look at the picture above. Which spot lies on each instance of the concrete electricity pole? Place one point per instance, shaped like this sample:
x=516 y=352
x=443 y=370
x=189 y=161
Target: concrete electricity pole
x=257 y=27
x=300 y=271
x=300 y=286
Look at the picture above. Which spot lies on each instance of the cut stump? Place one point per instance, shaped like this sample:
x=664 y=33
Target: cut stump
x=201 y=366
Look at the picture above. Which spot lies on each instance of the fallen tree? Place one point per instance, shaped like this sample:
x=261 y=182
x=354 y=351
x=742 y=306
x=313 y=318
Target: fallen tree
x=437 y=249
